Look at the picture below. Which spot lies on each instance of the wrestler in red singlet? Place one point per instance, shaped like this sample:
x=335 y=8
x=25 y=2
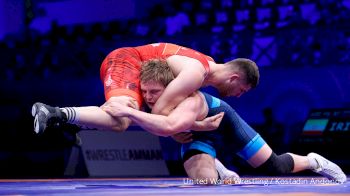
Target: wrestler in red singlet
x=120 y=70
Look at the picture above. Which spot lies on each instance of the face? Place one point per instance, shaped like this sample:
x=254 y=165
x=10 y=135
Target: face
x=235 y=86
x=151 y=91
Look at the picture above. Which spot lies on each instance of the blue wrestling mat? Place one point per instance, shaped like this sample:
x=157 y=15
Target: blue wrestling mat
x=173 y=186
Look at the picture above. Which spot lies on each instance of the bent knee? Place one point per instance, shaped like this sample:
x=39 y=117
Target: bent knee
x=206 y=176
x=125 y=100
x=120 y=124
x=201 y=168
x=278 y=164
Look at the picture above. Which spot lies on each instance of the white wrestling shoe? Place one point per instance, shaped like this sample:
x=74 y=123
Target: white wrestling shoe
x=328 y=168
x=227 y=176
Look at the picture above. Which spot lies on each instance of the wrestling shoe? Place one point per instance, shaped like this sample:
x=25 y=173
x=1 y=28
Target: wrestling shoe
x=46 y=116
x=230 y=177
x=227 y=176
x=328 y=168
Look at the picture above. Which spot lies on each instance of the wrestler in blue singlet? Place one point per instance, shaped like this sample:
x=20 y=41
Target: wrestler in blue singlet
x=233 y=135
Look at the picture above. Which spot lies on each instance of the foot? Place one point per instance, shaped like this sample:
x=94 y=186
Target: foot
x=226 y=175
x=229 y=177
x=45 y=116
x=328 y=168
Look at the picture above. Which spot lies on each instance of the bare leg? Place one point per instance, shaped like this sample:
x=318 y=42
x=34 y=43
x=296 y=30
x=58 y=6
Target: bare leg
x=90 y=116
x=312 y=161
x=261 y=156
x=300 y=163
x=95 y=117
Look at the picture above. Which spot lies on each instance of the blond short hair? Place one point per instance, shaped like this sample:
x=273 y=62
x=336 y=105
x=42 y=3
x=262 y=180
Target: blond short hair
x=156 y=70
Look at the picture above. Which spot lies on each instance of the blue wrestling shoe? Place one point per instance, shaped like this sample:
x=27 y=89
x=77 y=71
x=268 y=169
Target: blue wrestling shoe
x=328 y=168
x=46 y=116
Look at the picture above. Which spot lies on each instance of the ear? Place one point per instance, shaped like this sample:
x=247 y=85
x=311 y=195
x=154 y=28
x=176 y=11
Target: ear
x=234 y=76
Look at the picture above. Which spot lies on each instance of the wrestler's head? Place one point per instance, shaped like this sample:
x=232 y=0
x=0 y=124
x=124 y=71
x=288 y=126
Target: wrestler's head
x=154 y=77
x=238 y=77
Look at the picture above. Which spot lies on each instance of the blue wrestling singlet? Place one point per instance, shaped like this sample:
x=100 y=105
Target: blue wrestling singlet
x=233 y=135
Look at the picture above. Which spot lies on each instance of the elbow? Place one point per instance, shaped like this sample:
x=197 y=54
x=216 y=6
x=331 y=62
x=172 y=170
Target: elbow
x=163 y=133
x=171 y=129
x=173 y=126
x=168 y=131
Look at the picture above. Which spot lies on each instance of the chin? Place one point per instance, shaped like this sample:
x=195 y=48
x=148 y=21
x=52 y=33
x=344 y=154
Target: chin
x=224 y=94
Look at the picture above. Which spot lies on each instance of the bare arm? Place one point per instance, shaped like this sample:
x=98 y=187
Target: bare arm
x=180 y=119
x=209 y=123
x=189 y=79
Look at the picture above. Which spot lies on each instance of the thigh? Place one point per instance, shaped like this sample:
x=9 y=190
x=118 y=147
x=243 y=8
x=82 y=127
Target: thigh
x=120 y=72
x=242 y=139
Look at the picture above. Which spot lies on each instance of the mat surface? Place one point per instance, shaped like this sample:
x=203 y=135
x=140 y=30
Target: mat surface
x=173 y=186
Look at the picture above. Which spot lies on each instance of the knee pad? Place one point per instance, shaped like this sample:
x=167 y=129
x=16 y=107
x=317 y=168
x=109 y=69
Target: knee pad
x=278 y=164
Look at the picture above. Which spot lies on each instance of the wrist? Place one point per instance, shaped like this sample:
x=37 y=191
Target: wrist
x=128 y=113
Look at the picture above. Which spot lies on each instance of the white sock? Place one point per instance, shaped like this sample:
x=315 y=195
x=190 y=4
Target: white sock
x=223 y=171
x=228 y=176
x=220 y=167
x=71 y=114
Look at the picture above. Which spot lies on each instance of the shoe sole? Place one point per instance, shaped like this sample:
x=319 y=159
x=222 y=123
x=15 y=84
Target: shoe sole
x=35 y=115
